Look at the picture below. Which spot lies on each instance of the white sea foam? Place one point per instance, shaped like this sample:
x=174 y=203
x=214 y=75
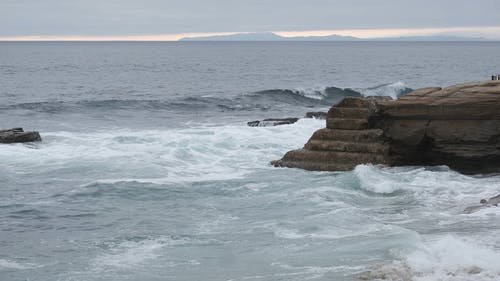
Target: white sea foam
x=392 y=90
x=451 y=258
x=338 y=231
x=8 y=264
x=376 y=180
x=317 y=93
x=442 y=184
x=446 y=259
x=130 y=253
x=202 y=153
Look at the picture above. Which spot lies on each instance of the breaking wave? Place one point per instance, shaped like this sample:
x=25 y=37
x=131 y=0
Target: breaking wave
x=272 y=99
x=448 y=259
x=394 y=90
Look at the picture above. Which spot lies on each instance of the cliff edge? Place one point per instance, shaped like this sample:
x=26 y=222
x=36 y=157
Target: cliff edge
x=457 y=126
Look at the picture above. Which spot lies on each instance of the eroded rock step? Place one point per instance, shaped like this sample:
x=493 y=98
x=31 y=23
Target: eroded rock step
x=356 y=103
x=304 y=155
x=347 y=124
x=347 y=146
x=315 y=165
x=371 y=135
x=349 y=113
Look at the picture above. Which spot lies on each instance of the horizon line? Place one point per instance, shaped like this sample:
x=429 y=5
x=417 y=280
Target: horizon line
x=489 y=33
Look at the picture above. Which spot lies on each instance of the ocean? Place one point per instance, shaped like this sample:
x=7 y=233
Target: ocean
x=148 y=171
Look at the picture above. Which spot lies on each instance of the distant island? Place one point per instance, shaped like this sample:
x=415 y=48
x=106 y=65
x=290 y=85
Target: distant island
x=270 y=36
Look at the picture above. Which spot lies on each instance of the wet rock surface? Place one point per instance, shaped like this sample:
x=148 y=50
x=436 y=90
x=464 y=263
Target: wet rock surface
x=457 y=126
x=18 y=135
x=272 y=122
x=348 y=140
x=316 y=114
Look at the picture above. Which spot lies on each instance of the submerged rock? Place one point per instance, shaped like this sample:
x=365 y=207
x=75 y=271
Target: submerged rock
x=458 y=126
x=272 y=122
x=17 y=135
x=485 y=203
x=316 y=114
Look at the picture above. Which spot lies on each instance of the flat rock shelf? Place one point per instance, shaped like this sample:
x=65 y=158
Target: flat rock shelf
x=457 y=126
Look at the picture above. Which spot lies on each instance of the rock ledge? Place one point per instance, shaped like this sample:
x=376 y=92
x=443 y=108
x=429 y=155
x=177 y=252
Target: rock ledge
x=457 y=126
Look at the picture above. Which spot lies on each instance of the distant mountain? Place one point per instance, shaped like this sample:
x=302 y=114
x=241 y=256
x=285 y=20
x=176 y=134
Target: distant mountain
x=266 y=36
x=440 y=38
x=269 y=36
x=332 y=37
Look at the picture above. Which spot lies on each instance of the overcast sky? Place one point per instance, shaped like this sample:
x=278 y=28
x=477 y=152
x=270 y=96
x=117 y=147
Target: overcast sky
x=156 y=17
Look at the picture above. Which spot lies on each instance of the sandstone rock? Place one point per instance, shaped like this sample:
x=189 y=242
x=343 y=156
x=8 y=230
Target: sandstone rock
x=272 y=122
x=347 y=141
x=347 y=124
x=457 y=126
x=17 y=135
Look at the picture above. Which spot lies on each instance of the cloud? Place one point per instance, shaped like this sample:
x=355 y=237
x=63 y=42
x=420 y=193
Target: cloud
x=152 y=17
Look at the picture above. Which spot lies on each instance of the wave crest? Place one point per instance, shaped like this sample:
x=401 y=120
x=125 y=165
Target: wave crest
x=273 y=99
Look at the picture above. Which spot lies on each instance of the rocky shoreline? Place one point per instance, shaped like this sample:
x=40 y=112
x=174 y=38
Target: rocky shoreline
x=457 y=126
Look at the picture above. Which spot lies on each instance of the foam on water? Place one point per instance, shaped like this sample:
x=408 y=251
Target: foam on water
x=317 y=92
x=376 y=180
x=9 y=264
x=440 y=196
x=201 y=153
x=123 y=187
x=393 y=90
x=452 y=258
x=130 y=253
x=446 y=258
x=126 y=255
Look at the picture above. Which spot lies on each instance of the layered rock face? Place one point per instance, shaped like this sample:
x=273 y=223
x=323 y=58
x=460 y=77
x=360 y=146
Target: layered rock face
x=349 y=139
x=458 y=126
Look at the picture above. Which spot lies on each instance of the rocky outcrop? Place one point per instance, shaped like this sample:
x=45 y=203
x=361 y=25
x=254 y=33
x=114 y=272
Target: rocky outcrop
x=316 y=114
x=18 y=135
x=458 y=126
x=349 y=139
x=272 y=122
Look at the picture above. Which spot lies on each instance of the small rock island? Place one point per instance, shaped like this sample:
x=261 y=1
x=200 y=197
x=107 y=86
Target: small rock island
x=457 y=126
x=18 y=135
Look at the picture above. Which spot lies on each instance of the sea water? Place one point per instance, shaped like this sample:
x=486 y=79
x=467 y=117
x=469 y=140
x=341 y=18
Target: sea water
x=148 y=171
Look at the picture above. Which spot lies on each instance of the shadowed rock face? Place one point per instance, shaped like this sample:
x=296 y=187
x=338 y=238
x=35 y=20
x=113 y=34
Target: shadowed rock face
x=18 y=135
x=458 y=126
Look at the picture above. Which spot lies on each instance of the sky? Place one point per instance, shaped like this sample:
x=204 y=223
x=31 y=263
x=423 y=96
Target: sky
x=173 y=19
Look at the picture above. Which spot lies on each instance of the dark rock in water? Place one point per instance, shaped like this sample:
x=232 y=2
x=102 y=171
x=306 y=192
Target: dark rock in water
x=458 y=126
x=272 y=122
x=473 y=209
x=492 y=202
x=317 y=115
x=16 y=135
